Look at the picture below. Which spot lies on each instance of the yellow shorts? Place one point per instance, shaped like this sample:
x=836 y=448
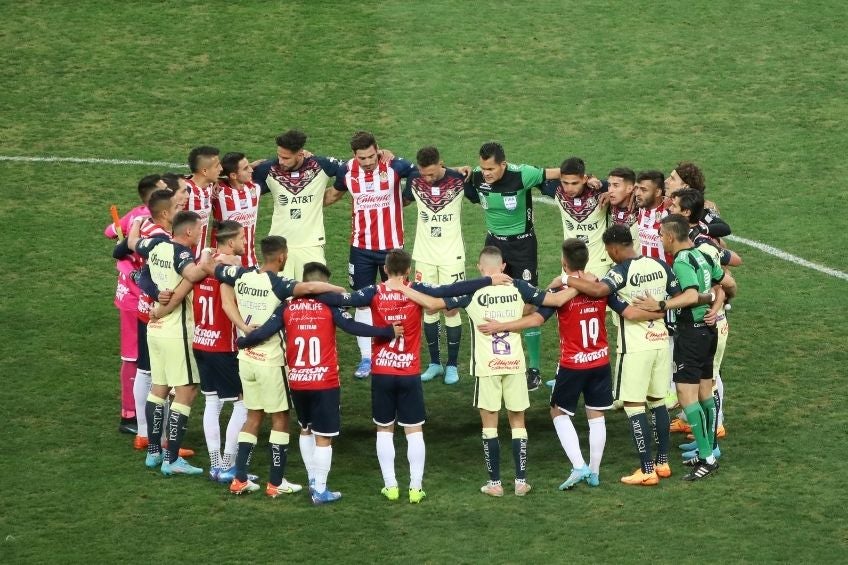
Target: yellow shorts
x=723 y=329
x=512 y=389
x=172 y=362
x=300 y=256
x=642 y=374
x=446 y=273
x=264 y=387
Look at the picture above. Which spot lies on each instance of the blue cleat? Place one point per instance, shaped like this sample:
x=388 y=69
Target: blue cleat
x=214 y=473
x=688 y=446
x=226 y=476
x=593 y=480
x=575 y=477
x=152 y=461
x=363 y=371
x=326 y=497
x=551 y=383
x=179 y=467
x=451 y=375
x=433 y=371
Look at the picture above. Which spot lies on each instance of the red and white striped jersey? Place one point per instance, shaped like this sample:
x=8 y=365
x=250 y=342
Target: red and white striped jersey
x=213 y=330
x=145 y=302
x=377 y=206
x=200 y=201
x=649 y=232
x=239 y=205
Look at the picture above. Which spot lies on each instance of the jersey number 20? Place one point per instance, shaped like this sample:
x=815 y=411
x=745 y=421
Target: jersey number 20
x=314 y=347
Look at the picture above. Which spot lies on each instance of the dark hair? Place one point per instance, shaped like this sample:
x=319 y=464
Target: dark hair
x=315 y=271
x=618 y=234
x=491 y=251
x=656 y=177
x=691 y=174
x=147 y=185
x=230 y=163
x=398 y=262
x=677 y=226
x=293 y=140
x=172 y=180
x=204 y=151
x=362 y=140
x=427 y=156
x=226 y=230
x=573 y=166
x=624 y=173
x=273 y=245
x=493 y=149
x=184 y=220
x=159 y=200
x=575 y=253
x=693 y=200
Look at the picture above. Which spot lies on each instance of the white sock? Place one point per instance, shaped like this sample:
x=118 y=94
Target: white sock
x=322 y=459
x=416 y=454
x=234 y=426
x=307 y=453
x=141 y=388
x=568 y=439
x=386 y=457
x=597 y=441
x=212 y=428
x=720 y=385
x=363 y=315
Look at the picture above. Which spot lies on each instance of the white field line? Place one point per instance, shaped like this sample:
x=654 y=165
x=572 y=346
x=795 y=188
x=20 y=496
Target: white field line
x=764 y=247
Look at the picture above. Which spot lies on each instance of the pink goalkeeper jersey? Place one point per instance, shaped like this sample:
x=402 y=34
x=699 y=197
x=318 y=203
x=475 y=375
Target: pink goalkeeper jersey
x=126 y=292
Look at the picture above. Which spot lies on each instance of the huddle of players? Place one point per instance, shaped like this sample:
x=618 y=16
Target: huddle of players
x=299 y=183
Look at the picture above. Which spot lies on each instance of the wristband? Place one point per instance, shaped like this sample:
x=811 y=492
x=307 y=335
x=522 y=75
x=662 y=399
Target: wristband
x=564 y=280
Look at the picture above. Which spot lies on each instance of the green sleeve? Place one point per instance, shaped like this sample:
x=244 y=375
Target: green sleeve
x=531 y=176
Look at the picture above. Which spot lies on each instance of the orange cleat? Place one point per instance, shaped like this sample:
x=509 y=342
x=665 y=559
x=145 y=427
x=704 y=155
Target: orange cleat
x=663 y=470
x=140 y=442
x=720 y=433
x=679 y=426
x=639 y=478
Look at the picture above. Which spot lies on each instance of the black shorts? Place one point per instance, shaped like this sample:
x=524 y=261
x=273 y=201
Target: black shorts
x=318 y=410
x=219 y=373
x=519 y=254
x=142 y=362
x=364 y=265
x=594 y=384
x=694 y=349
x=397 y=398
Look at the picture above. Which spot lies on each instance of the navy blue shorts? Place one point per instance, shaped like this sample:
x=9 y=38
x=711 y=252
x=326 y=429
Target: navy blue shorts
x=219 y=373
x=594 y=384
x=318 y=410
x=142 y=362
x=694 y=349
x=363 y=267
x=520 y=255
x=397 y=398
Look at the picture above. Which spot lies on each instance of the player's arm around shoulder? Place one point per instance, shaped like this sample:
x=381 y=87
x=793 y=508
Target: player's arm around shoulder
x=314 y=287
x=347 y=324
x=419 y=293
x=257 y=335
x=357 y=299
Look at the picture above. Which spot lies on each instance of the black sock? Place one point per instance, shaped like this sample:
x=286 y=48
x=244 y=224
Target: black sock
x=454 y=334
x=661 y=422
x=519 y=454
x=431 y=334
x=718 y=407
x=245 y=449
x=177 y=425
x=639 y=430
x=279 y=454
x=155 y=413
x=492 y=455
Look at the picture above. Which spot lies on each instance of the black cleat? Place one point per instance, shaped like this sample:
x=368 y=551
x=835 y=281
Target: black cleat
x=534 y=379
x=128 y=426
x=701 y=471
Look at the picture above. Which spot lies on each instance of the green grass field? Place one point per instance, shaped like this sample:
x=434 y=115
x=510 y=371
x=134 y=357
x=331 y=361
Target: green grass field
x=755 y=93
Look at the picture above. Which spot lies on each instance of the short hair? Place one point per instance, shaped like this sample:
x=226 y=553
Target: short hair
x=147 y=185
x=617 y=234
x=315 y=271
x=230 y=163
x=691 y=174
x=294 y=140
x=362 y=140
x=427 y=156
x=159 y=201
x=203 y=151
x=398 y=262
x=573 y=166
x=625 y=173
x=576 y=253
x=492 y=149
x=183 y=220
x=677 y=226
x=272 y=246
x=656 y=177
x=172 y=180
x=226 y=230
x=693 y=200
x=491 y=251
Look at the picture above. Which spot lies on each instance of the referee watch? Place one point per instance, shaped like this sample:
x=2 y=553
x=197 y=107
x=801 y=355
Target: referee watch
x=661 y=304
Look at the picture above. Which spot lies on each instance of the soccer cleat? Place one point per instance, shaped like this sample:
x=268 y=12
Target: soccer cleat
x=392 y=493
x=640 y=478
x=226 y=476
x=701 y=471
x=151 y=461
x=140 y=442
x=720 y=433
x=179 y=467
x=433 y=371
x=416 y=495
x=551 y=383
x=663 y=470
x=242 y=487
x=593 y=480
x=688 y=446
x=492 y=489
x=326 y=497
x=690 y=457
x=522 y=488
x=185 y=452
x=128 y=426
x=679 y=426
x=284 y=487
x=575 y=477
x=534 y=379
x=363 y=370
x=451 y=375
x=215 y=474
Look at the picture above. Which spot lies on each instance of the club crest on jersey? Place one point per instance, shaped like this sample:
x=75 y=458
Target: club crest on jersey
x=525 y=274
x=510 y=202
x=295 y=213
x=384 y=176
x=295 y=181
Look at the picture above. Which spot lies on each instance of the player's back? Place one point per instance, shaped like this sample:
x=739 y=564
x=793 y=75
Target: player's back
x=310 y=345
x=213 y=330
x=502 y=353
x=583 y=333
x=257 y=301
x=400 y=356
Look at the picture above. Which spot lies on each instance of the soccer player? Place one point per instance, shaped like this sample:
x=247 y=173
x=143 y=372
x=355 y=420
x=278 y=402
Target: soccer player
x=396 y=390
x=695 y=343
x=178 y=185
x=172 y=366
x=257 y=293
x=314 y=372
x=689 y=175
x=237 y=200
x=650 y=187
x=621 y=183
x=439 y=252
x=205 y=166
x=377 y=220
x=297 y=184
x=503 y=190
x=126 y=301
